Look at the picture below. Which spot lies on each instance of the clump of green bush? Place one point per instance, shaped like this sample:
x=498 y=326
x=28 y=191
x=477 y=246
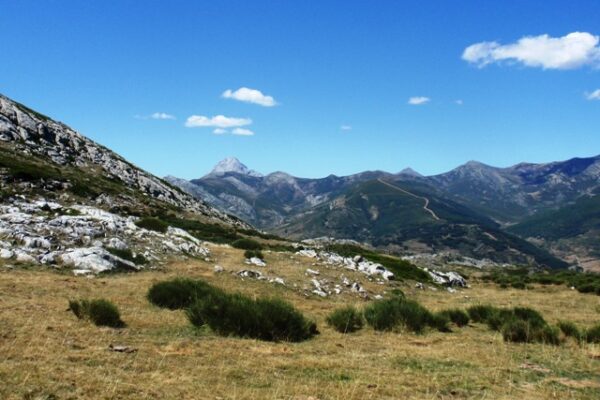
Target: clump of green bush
x=398 y=312
x=519 y=324
x=254 y=253
x=247 y=244
x=592 y=335
x=457 y=316
x=178 y=293
x=480 y=312
x=153 y=224
x=238 y=315
x=346 y=320
x=569 y=329
x=100 y=311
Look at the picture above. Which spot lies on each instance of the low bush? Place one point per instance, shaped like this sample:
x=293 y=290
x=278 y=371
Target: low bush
x=397 y=312
x=100 y=311
x=238 y=315
x=519 y=324
x=178 y=293
x=254 y=253
x=153 y=224
x=592 y=335
x=569 y=329
x=247 y=244
x=440 y=321
x=457 y=316
x=346 y=320
x=480 y=313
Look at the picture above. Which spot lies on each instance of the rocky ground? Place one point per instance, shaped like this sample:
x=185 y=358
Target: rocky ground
x=85 y=238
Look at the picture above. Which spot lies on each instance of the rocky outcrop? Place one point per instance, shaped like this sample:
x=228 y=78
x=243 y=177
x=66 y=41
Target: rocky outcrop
x=85 y=239
x=30 y=133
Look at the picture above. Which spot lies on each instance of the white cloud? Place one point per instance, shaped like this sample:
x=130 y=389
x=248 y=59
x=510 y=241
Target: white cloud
x=162 y=115
x=242 y=132
x=419 y=100
x=250 y=96
x=218 y=121
x=345 y=128
x=459 y=102
x=220 y=131
x=156 y=115
x=571 y=51
x=595 y=95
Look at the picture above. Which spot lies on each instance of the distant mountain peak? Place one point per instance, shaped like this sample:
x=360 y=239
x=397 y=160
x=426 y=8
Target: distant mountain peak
x=410 y=172
x=232 y=164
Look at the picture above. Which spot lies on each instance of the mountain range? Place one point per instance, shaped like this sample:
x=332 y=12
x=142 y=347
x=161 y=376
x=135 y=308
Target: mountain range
x=505 y=214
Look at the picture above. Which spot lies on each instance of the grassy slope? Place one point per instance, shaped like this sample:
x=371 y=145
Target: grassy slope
x=45 y=350
x=379 y=214
x=566 y=222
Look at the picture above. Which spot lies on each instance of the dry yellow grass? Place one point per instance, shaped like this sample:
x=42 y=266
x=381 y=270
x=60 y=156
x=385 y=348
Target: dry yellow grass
x=45 y=351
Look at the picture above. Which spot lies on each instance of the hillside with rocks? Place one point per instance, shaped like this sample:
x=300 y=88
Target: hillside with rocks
x=68 y=201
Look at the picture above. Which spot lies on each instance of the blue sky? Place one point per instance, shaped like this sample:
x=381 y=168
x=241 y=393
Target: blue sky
x=105 y=67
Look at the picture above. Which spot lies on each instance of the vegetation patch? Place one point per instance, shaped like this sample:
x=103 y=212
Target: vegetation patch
x=254 y=254
x=457 y=316
x=398 y=312
x=519 y=324
x=100 y=311
x=247 y=244
x=346 y=320
x=179 y=293
x=153 y=224
x=521 y=278
x=238 y=315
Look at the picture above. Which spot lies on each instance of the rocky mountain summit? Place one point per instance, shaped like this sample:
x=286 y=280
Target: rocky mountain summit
x=232 y=164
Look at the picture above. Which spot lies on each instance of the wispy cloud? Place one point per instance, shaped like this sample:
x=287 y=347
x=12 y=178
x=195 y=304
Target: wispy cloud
x=595 y=95
x=218 y=121
x=571 y=51
x=459 y=102
x=418 y=100
x=220 y=131
x=248 y=95
x=345 y=128
x=156 y=115
x=242 y=132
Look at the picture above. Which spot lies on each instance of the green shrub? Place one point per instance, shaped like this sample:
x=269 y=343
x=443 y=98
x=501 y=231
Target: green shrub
x=386 y=315
x=546 y=334
x=279 y=320
x=76 y=308
x=238 y=315
x=382 y=315
x=498 y=318
x=100 y=311
x=516 y=330
x=480 y=313
x=569 y=329
x=459 y=317
x=247 y=244
x=254 y=253
x=153 y=224
x=346 y=320
x=178 y=293
x=440 y=321
x=592 y=335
